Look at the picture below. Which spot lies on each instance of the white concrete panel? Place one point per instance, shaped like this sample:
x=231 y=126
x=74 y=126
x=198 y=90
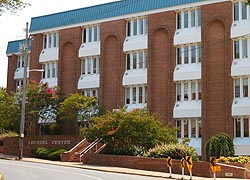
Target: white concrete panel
x=187 y=36
x=137 y=76
x=90 y=49
x=187 y=72
x=240 y=28
x=242 y=146
x=89 y=81
x=131 y=107
x=50 y=54
x=52 y=82
x=195 y=143
x=240 y=67
x=135 y=43
x=241 y=107
x=187 y=109
x=19 y=73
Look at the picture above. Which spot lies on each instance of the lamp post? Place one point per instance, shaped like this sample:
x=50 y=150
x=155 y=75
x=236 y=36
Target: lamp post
x=24 y=51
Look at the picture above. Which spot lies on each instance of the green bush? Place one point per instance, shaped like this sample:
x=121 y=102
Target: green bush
x=175 y=151
x=238 y=159
x=48 y=153
x=220 y=145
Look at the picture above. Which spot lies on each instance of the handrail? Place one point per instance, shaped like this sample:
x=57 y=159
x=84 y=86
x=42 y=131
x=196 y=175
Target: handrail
x=237 y=167
x=77 y=145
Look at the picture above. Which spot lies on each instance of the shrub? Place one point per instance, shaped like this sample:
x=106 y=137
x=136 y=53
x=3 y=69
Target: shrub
x=175 y=151
x=239 y=159
x=220 y=145
x=48 y=153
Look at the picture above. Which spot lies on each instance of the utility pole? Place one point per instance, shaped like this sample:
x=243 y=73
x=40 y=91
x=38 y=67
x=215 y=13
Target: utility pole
x=24 y=51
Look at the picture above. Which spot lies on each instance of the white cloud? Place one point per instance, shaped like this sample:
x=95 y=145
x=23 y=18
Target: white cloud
x=12 y=26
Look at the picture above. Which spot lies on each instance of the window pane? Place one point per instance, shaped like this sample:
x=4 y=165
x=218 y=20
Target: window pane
x=44 y=72
x=140 y=94
x=193 y=91
x=95 y=33
x=50 y=40
x=48 y=68
x=178 y=92
x=178 y=126
x=236 y=11
x=84 y=36
x=200 y=126
x=185 y=91
x=199 y=52
x=45 y=41
x=237 y=127
x=141 y=26
x=193 y=18
x=134 y=95
x=199 y=17
x=53 y=70
x=179 y=21
x=186 y=19
x=236 y=49
x=244 y=48
x=128 y=61
x=185 y=54
x=244 y=11
x=127 y=95
x=90 y=34
x=185 y=128
x=199 y=90
x=246 y=127
x=193 y=54
x=55 y=40
x=83 y=67
x=89 y=66
x=146 y=91
x=141 y=60
x=135 y=27
x=94 y=66
x=146 y=26
x=193 y=128
x=134 y=60
x=129 y=28
x=245 y=87
x=179 y=54
x=146 y=58
x=237 y=88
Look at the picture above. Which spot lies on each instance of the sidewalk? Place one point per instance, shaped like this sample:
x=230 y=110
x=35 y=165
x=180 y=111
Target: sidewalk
x=107 y=169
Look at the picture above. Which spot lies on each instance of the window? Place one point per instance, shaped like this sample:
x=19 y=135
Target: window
x=188 y=91
x=241 y=127
x=241 y=48
x=50 y=40
x=241 y=10
x=90 y=92
x=91 y=34
x=137 y=26
x=189 y=128
x=136 y=94
x=188 y=54
x=19 y=84
x=236 y=49
x=90 y=65
x=136 y=60
x=189 y=19
x=241 y=87
x=50 y=70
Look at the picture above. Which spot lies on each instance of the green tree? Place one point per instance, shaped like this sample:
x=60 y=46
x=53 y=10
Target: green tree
x=12 y=5
x=9 y=112
x=74 y=110
x=220 y=145
x=42 y=105
x=124 y=131
x=248 y=2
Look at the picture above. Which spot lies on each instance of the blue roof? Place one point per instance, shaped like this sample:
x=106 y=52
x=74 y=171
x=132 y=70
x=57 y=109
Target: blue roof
x=103 y=11
x=13 y=46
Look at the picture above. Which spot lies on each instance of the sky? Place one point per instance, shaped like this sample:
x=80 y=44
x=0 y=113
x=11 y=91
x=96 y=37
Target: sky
x=12 y=26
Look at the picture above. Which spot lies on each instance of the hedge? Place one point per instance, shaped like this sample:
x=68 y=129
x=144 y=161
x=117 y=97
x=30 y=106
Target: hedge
x=48 y=153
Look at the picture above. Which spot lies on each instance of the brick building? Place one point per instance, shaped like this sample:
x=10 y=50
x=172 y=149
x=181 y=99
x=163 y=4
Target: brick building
x=187 y=60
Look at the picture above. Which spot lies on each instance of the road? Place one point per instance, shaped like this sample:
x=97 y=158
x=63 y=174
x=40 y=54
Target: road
x=19 y=170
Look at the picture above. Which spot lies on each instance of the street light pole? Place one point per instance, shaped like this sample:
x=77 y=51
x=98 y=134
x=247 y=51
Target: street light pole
x=24 y=50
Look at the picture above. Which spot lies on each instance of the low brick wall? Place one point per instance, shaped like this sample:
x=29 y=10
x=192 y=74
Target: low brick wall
x=11 y=144
x=155 y=164
x=1 y=149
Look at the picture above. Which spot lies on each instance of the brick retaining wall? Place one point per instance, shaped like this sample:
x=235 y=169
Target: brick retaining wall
x=11 y=144
x=155 y=164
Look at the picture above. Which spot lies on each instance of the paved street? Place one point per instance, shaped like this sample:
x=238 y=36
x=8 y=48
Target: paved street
x=13 y=170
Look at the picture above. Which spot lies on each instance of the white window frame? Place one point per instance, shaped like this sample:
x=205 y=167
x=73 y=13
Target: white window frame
x=48 y=72
x=90 y=92
x=188 y=122
x=131 y=23
x=241 y=86
x=181 y=51
x=50 y=40
x=188 y=13
x=91 y=34
x=136 y=63
x=189 y=90
x=241 y=48
x=241 y=121
x=88 y=63
x=134 y=94
x=240 y=5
